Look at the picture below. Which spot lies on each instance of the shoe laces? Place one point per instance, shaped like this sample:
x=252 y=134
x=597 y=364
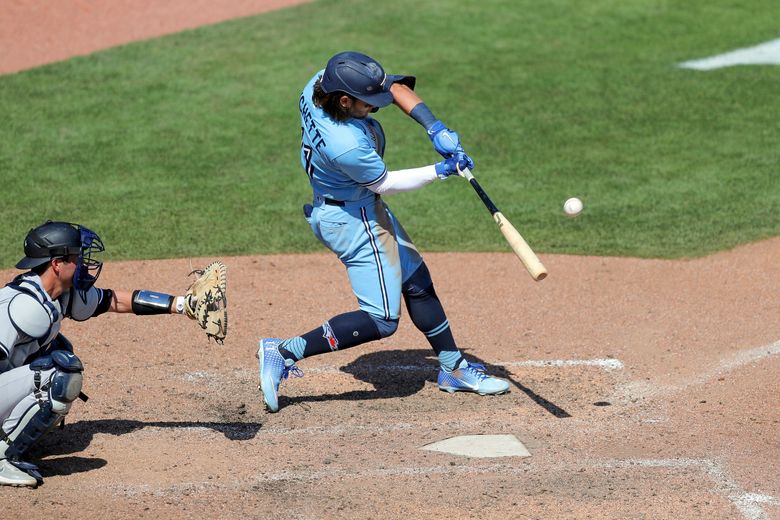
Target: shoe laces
x=292 y=369
x=479 y=370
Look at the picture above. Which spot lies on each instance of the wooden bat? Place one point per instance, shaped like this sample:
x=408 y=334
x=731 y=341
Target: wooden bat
x=518 y=244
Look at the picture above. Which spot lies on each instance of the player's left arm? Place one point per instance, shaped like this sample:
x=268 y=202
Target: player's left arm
x=98 y=301
x=445 y=141
x=151 y=302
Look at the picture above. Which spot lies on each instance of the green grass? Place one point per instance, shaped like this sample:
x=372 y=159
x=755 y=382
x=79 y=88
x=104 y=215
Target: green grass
x=188 y=145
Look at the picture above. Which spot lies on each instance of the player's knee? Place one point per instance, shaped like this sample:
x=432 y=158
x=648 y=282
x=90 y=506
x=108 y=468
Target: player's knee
x=385 y=327
x=65 y=388
x=419 y=283
x=66 y=381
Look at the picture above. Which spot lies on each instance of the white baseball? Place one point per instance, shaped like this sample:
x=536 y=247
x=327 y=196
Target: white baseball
x=572 y=207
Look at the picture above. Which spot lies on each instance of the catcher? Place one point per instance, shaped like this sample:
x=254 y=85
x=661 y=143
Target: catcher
x=40 y=376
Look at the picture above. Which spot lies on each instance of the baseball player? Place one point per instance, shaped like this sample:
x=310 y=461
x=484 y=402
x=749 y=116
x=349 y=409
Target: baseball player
x=342 y=154
x=40 y=376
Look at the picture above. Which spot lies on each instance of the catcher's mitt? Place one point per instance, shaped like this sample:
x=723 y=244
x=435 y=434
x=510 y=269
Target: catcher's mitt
x=206 y=300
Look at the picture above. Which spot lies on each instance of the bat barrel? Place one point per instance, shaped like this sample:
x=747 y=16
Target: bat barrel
x=518 y=244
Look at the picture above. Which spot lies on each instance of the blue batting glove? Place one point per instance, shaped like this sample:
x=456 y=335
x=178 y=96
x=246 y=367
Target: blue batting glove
x=445 y=141
x=452 y=164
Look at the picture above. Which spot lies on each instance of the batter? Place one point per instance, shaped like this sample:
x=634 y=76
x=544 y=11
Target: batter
x=342 y=149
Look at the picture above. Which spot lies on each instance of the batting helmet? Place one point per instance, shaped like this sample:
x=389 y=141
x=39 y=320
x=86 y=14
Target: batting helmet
x=361 y=77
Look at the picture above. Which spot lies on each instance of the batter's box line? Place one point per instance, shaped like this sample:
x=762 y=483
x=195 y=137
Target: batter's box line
x=719 y=368
x=606 y=364
x=748 y=504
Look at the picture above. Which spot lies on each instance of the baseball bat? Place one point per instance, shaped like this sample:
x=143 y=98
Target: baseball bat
x=518 y=244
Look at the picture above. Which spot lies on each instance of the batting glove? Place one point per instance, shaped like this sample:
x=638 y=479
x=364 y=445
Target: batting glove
x=445 y=141
x=451 y=165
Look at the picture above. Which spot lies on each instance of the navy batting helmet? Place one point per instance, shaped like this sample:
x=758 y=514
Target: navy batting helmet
x=361 y=77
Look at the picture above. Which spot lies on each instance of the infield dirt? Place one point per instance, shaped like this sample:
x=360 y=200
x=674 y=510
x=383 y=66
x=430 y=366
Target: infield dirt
x=175 y=426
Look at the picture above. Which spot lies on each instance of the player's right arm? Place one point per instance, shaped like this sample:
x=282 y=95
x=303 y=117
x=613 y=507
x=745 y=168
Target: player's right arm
x=445 y=141
x=364 y=165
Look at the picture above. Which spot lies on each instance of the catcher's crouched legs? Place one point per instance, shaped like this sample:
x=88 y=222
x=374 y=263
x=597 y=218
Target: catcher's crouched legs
x=35 y=415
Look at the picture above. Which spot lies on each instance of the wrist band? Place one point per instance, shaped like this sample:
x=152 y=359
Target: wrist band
x=423 y=115
x=150 y=302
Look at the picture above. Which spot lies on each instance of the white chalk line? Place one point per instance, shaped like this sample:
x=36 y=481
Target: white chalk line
x=339 y=429
x=748 y=504
x=605 y=363
x=726 y=365
x=767 y=53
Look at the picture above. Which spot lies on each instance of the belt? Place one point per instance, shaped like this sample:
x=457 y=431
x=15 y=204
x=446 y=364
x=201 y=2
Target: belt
x=332 y=202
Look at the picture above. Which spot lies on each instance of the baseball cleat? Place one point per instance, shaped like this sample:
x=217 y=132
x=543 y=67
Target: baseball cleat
x=10 y=475
x=273 y=368
x=471 y=378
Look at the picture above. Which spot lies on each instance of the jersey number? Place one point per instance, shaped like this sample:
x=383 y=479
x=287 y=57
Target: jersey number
x=307 y=152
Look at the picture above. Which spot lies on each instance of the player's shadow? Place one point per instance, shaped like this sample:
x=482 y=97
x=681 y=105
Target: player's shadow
x=401 y=373
x=68 y=465
x=392 y=373
x=77 y=436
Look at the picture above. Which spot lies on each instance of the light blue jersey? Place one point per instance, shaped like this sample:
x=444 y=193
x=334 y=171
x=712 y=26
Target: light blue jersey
x=341 y=158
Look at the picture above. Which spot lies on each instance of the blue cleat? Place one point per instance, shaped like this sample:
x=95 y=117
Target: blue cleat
x=273 y=368
x=471 y=378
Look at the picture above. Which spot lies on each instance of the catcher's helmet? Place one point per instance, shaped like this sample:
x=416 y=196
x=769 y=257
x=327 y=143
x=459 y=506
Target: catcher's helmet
x=361 y=77
x=47 y=241
x=58 y=239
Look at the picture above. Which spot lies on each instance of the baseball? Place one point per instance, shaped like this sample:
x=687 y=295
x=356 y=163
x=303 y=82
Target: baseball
x=572 y=207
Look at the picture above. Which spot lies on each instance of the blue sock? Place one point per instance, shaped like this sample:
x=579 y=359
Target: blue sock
x=450 y=360
x=294 y=347
x=340 y=332
x=428 y=316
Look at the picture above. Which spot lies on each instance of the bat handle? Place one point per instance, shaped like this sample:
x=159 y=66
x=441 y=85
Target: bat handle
x=465 y=172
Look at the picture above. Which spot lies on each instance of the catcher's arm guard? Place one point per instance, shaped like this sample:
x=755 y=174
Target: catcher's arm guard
x=206 y=300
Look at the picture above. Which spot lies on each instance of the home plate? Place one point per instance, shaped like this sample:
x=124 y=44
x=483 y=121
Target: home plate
x=481 y=446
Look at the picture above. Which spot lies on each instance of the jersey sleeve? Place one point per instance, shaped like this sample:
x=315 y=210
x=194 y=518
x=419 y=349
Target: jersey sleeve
x=363 y=165
x=81 y=310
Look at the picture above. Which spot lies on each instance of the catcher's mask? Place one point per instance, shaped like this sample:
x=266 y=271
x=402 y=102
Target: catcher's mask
x=63 y=239
x=361 y=77
x=89 y=265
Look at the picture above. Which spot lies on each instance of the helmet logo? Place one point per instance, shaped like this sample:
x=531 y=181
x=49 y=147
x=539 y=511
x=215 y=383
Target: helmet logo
x=374 y=71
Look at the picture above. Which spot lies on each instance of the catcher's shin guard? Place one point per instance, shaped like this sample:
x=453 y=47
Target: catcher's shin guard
x=64 y=386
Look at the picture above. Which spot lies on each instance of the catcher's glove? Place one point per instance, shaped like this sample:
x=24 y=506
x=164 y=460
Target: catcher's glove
x=206 y=300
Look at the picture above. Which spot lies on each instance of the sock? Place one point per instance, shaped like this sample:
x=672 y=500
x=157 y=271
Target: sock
x=339 y=333
x=450 y=360
x=428 y=316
